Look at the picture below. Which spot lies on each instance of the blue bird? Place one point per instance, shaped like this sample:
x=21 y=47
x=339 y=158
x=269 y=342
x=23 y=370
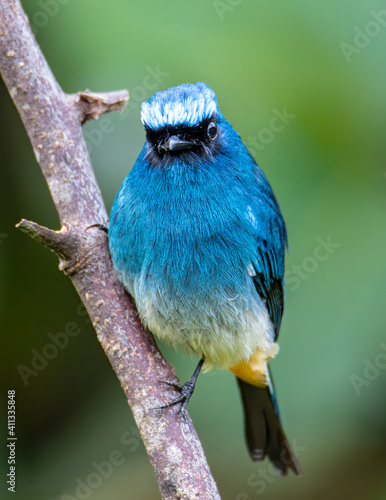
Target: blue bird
x=197 y=238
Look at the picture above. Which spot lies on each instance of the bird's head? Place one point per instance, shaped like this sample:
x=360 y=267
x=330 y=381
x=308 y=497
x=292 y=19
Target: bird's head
x=181 y=122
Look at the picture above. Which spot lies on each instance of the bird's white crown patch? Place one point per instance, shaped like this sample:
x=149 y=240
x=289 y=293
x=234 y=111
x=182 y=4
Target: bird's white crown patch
x=187 y=104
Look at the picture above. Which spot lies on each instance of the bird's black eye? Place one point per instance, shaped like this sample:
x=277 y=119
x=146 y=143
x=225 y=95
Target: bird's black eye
x=212 y=130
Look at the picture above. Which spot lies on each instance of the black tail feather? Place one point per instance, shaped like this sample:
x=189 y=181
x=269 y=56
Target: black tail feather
x=264 y=433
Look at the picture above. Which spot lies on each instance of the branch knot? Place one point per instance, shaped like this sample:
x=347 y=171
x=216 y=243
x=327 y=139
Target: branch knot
x=73 y=245
x=92 y=105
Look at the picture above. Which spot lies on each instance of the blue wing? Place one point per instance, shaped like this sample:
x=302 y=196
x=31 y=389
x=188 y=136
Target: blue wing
x=271 y=244
x=272 y=291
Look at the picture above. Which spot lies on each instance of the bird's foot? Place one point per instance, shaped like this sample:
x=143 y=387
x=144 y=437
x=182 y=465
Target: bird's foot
x=185 y=391
x=102 y=227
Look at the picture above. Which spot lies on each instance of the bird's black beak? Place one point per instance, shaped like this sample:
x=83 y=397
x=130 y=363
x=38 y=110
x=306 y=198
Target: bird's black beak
x=175 y=143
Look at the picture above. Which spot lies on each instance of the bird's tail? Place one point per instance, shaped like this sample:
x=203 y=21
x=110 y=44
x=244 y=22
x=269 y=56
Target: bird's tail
x=263 y=430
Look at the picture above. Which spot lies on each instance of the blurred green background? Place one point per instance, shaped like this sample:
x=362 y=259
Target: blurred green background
x=327 y=167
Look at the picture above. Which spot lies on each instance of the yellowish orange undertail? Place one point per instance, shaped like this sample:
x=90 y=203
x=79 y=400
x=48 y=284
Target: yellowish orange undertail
x=254 y=371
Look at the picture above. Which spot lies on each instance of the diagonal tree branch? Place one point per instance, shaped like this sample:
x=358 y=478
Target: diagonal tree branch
x=53 y=121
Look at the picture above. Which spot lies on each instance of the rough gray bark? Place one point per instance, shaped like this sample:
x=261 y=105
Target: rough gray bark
x=53 y=121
